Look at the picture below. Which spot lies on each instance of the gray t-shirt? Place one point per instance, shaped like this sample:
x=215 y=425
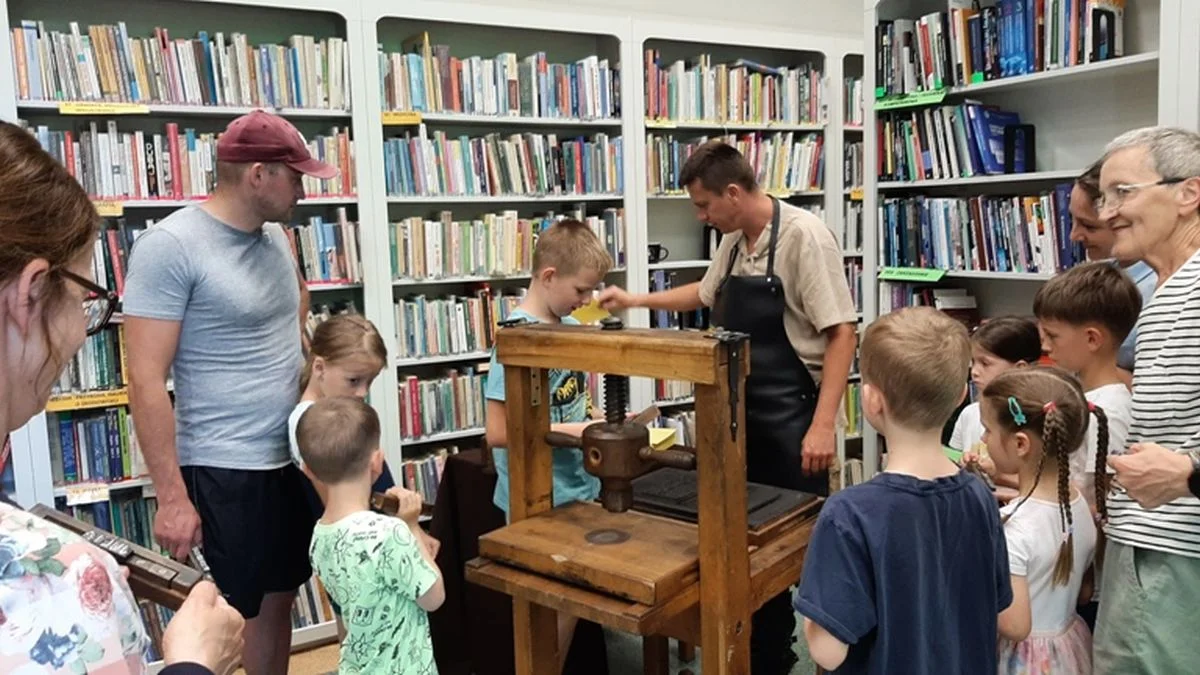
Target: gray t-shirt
x=237 y=368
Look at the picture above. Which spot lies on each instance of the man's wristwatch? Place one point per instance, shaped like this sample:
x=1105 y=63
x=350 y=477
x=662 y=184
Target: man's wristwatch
x=1194 y=477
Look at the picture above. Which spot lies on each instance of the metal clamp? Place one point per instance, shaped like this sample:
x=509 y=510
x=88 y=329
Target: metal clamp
x=733 y=340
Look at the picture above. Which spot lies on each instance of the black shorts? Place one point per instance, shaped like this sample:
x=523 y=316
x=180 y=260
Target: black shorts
x=256 y=530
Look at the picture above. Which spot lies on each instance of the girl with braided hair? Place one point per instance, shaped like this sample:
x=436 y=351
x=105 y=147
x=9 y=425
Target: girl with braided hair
x=1033 y=419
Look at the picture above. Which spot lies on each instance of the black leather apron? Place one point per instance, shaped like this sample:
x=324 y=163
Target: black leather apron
x=780 y=395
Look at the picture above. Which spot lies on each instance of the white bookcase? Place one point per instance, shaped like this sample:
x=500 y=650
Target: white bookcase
x=1076 y=110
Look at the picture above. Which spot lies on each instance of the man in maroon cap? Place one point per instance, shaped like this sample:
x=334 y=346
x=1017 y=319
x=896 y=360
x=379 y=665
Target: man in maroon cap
x=212 y=298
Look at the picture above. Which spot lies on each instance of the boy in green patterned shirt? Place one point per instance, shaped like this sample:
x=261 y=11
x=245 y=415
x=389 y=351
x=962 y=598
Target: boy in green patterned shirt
x=379 y=569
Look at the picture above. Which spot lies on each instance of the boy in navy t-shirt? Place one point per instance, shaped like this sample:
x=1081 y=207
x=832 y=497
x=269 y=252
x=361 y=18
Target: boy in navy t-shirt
x=908 y=572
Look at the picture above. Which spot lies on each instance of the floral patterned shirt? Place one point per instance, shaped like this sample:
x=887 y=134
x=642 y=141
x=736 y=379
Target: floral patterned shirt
x=65 y=606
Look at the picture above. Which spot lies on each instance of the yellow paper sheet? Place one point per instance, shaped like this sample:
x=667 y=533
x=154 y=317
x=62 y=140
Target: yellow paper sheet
x=590 y=313
x=661 y=439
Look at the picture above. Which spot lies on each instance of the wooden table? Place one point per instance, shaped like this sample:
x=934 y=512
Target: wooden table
x=697 y=583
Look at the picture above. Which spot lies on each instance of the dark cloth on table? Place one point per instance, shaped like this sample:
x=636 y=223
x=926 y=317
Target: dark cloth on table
x=473 y=630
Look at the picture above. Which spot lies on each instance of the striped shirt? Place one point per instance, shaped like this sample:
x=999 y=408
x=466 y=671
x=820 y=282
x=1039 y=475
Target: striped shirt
x=1165 y=410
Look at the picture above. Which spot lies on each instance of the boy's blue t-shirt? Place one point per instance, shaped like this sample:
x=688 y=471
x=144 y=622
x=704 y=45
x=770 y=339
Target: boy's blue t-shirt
x=569 y=404
x=911 y=574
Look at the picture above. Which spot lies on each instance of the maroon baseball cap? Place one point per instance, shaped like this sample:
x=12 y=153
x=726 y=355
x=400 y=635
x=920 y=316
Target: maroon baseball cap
x=263 y=137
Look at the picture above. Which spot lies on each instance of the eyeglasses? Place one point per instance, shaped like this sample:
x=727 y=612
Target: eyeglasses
x=1114 y=198
x=99 y=304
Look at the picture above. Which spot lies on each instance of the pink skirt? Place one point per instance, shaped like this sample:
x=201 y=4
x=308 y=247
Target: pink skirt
x=1066 y=653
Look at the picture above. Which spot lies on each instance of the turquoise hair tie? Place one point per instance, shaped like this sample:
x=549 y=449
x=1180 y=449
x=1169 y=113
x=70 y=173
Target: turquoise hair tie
x=1014 y=409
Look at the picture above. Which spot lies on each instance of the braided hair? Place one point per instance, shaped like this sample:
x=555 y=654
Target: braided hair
x=1049 y=403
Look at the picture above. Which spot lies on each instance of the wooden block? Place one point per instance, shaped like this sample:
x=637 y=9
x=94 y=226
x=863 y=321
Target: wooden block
x=724 y=558
x=536 y=649
x=647 y=352
x=650 y=560
x=687 y=651
x=656 y=655
x=530 y=461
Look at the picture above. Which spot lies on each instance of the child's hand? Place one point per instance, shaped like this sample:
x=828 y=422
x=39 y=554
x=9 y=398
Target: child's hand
x=410 y=504
x=985 y=464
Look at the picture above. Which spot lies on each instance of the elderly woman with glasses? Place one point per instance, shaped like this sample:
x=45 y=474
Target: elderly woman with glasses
x=1150 y=197
x=65 y=605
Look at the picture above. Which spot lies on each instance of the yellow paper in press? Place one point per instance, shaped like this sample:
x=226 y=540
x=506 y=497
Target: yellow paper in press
x=661 y=439
x=590 y=313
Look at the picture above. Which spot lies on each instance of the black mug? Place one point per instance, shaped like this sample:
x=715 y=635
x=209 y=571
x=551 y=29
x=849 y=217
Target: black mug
x=658 y=252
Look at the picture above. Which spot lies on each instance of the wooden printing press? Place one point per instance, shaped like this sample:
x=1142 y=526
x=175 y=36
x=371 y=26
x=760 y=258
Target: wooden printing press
x=679 y=545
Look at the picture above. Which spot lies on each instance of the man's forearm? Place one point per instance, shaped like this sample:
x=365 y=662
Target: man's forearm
x=835 y=370
x=154 y=420
x=682 y=299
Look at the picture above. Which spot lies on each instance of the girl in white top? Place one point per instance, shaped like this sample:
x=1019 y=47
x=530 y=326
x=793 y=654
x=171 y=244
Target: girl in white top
x=999 y=345
x=1033 y=418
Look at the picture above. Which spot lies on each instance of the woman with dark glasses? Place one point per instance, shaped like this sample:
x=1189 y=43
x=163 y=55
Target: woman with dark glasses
x=64 y=604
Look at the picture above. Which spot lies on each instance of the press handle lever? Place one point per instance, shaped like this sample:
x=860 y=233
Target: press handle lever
x=676 y=459
x=559 y=439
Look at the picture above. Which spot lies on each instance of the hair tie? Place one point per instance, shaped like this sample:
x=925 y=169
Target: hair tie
x=1091 y=406
x=1014 y=409
x=1049 y=407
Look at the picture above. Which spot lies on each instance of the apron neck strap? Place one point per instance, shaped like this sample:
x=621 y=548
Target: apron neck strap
x=770 y=244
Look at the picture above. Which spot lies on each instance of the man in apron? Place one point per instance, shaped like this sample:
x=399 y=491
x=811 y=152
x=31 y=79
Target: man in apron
x=778 y=276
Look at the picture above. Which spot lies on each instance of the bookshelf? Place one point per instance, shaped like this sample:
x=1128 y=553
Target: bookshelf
x=1073 y=117
x=666 y=52
x=138 y=129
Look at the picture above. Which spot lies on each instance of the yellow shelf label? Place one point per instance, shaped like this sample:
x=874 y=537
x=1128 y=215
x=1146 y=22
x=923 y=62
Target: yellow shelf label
x=660 y=124
x=401 y=118
x=780 y=194
x=102 y=108
x=87 y=493
x=92 y=399
x=856 y=194
x=109 y=208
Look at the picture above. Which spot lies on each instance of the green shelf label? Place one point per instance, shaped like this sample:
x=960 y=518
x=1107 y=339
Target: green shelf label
x=911 y=100
x=880 y=92
x=911 y=274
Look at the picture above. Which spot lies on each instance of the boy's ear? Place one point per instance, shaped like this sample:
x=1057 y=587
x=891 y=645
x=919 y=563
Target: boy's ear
x=318 y=366
x=1095 y=336
x=547 y=274
x=308 y=473
x=873 y=401
x=376 y=464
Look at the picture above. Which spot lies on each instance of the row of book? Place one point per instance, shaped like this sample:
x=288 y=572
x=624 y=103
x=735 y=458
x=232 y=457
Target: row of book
x=969 y=44
x=423 y=475
x=445 y=404
x=742 y=92
x=684 y=424
x=495 y=165
x=94 y=446
x=327 y=250
x=956 y=302
x=99 y=364
x=103 y=63
x=852 y=404
x=782 y=161
x=673 y=390
x=491 y=244
x=854 y=274
x=665 y=280
x=852 y=164
x=425 y=77
x=958 y=141
x=175 y=164
x=851 y=236
x=854 y=98
x=1028 y=233
x=458 y=324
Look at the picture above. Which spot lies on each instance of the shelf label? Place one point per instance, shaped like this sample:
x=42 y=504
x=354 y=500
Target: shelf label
x=401 y=117
x=109 y=208
x=97 y=399
x=911 y=100
x=87 y=493
x=102 y=108
x=917 y=274
x=857 y=194
x=660 y=124
x=780 y=194
x=148 y=491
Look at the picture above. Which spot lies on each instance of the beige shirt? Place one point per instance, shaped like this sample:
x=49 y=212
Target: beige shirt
x=808 y=262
